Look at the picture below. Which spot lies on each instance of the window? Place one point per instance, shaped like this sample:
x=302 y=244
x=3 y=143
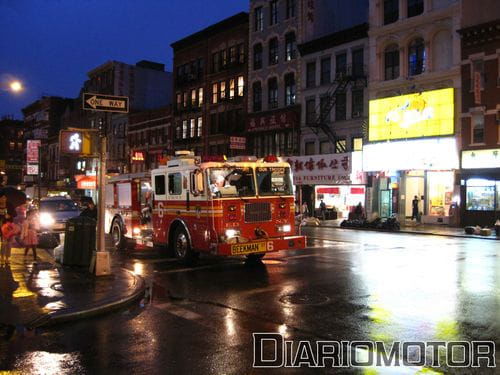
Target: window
x=415 y=7
x=273 y=51
x=272 y=93
x=391 y=11
x=258 y=19
x=178 y=133
x=416 y=57
x=12 y=145
x=192 y=128
x=273 y=12
x=257 y=56
x=193 y=98
x=232 y=55
x=290 y=8
x=214 y=93
x=223 y=90
x=215 y=62
x=290 y=46
x=241 y=86
x=184 y=129
x=257 y=96
x=289 y=89
x=391 y=62
x=340 y=107
x=200 y=96
x=241 y=53
x=357 y=63
x=477 y=124
x=311 y=74
x=160 y=185
x=310 y=148
x=223 y=58
x=310 y=111
x=179 y=100
x=323 y=107
x=357 y=144
x=185 y=99
x=232 y=87
x=325 y=70
x=480 y=195
x=340 y=65
x=174 y=184
x=199 y=128
x=199 y=67
x=340 y=146
x=357 y=103
x=324 y=147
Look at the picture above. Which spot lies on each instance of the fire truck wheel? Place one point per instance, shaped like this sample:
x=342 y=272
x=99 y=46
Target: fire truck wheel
x=182 y=247
x=117 y=235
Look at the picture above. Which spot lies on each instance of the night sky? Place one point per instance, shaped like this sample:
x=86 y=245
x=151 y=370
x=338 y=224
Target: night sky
x=50 y=45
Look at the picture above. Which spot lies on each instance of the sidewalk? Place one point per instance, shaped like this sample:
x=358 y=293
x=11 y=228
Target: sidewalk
x=47 y=293
x=414 y=228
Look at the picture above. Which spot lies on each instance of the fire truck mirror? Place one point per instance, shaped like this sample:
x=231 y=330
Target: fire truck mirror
x=197 y=187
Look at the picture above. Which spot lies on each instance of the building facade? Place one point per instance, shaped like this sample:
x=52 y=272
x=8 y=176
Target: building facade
x=480 y=117
x=12 y=146
x=334 y=110
x=414 y=110
x=210 y=87
x=149 y=139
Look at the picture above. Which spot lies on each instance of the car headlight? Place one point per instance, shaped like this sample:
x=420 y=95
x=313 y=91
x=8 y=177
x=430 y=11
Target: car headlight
x=230 y=233
x=46 y=219
x=136 y=231
x=285 y=228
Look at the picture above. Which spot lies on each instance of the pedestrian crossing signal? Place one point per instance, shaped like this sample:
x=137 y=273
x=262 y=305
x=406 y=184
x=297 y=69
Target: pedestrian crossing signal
x=78 y=142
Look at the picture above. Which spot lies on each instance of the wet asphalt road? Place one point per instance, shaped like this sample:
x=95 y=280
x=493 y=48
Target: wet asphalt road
x=349 y=285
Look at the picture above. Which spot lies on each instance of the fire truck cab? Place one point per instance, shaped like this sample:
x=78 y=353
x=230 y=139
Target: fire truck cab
x=242 y=206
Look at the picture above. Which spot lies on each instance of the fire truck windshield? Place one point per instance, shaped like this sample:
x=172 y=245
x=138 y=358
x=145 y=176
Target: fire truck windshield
x=274 y=181
x=230 y=182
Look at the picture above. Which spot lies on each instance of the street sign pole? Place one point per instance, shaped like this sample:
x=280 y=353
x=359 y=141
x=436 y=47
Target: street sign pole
x=101 y=245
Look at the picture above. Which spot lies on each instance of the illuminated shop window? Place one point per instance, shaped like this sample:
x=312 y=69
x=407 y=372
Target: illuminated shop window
x=480 y=194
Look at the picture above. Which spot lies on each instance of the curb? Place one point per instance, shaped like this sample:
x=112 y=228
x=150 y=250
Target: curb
x=408 y=232
x=63 y=316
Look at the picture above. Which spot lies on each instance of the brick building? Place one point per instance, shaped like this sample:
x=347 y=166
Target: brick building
x=210 y=76
x=480 y=127
x=11 y=151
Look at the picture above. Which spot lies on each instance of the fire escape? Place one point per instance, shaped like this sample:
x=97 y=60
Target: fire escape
x=342 y=80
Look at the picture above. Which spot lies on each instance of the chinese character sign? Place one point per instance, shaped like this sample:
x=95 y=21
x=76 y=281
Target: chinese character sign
x=321 y=169
x=32 y=151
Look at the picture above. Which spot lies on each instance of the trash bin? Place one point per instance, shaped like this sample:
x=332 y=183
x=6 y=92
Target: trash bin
x=79 y=241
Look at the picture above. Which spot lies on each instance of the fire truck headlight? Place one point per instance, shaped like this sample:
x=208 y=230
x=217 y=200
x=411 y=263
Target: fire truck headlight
x=136 y=231
x=46 y=219
x=230 y=233
x=285 y=228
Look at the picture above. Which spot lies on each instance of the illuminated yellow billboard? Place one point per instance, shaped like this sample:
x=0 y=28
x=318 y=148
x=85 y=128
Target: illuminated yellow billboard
x=425 y=114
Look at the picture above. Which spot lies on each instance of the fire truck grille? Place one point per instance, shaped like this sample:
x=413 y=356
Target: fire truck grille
x=255 y=212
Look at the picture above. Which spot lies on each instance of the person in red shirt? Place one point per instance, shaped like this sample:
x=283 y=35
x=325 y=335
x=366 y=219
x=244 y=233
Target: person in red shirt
x=9 y=231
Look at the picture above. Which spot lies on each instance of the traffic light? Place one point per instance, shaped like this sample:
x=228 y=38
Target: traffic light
x=78 y=142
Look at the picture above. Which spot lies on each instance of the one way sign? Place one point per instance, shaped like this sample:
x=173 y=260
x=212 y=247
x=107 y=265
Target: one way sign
x=106 y=103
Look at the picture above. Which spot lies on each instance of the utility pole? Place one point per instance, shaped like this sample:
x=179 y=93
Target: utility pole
x=101 y=194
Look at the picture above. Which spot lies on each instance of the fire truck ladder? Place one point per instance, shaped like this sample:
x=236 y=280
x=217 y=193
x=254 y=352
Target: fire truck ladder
x=340 y=84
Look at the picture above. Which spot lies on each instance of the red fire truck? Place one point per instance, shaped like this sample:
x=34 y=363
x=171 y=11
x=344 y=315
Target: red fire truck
x=241 y=206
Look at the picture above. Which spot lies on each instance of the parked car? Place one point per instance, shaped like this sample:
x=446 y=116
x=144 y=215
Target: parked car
x=55 y=211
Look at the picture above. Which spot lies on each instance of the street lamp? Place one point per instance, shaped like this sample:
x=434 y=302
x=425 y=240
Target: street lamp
x=15 y=86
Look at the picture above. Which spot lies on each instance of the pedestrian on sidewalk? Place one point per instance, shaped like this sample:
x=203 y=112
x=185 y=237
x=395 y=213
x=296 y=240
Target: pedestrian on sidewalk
x=322 y=209
x=414 y=213
x=305 y=210
x=29 y=233
x=9 y=231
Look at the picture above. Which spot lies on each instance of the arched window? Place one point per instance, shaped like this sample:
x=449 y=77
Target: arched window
x=391 y=62
x=416 y=57
x=290 y=46
x=289 y=89
x=257 y=56
x=272 y=86
x=273 y=51
x=257 y=96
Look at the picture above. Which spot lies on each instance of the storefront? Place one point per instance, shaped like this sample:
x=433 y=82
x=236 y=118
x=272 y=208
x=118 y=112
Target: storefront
x=412 y=157
x=336 y=179
x=480 y=187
